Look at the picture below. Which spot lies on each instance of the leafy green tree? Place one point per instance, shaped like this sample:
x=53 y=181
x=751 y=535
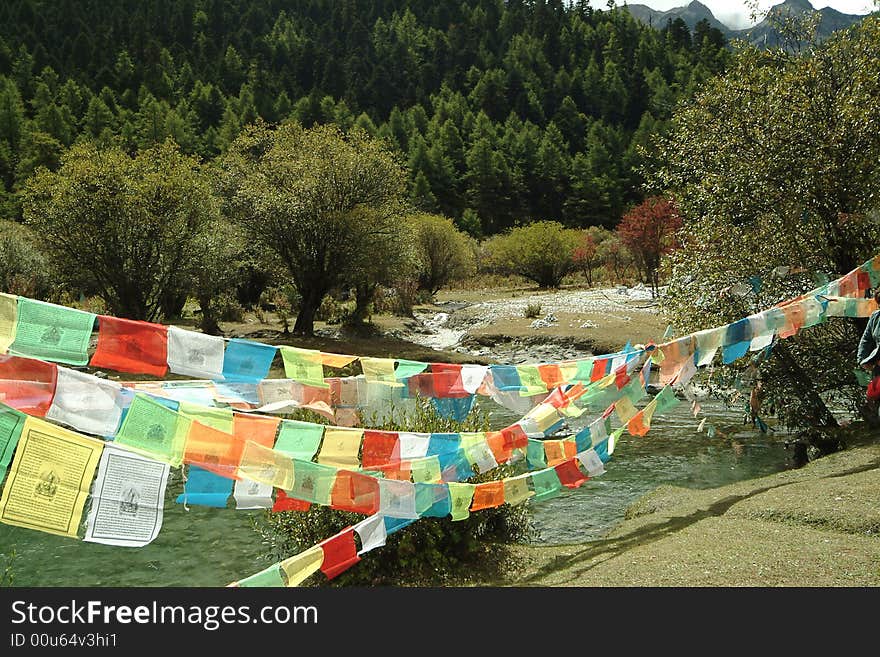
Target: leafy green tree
x=775 y=164
x=126 y=228
x=320 y=199
x=541 y=252
x=444 y=253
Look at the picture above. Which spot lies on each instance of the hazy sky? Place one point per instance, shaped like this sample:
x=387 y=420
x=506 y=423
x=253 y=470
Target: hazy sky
x=735 y=13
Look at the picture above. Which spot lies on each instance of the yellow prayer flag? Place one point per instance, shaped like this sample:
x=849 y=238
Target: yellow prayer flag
x=266 y=466
x=298 y=567
x=625 y=409
x=568 y=371
x=516 y=489
x=341 y=447
x=8 y=320
x=380 y=370
x=544 y=416
x=49 y=479
x=336 y=360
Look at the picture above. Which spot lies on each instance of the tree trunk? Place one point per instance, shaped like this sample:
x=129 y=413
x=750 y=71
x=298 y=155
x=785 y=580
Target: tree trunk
x=820 y=415
x=363 y=296
x=305 y=319
x=208 y=323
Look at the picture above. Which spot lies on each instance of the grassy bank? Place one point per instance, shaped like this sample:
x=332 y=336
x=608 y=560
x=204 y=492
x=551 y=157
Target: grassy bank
x=816 y=526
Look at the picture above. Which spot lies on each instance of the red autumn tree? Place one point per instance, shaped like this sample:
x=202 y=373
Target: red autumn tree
x=650 y=231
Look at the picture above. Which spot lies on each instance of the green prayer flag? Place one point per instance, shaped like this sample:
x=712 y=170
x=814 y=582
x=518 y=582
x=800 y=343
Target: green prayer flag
x=425 y=470
x=460 y=499
x=666 y=400
x=530 y=380
x=304 y=366
x=269 y=577
x=154 y=429
x=312 y=482
x=216 y=418
x=584 y=371
x=11 y=423
x=546 y=484
x=862 y=376
x=408 y=368
x=535 y=455
x=299 y=440
x=52 y=332
x=634 y=390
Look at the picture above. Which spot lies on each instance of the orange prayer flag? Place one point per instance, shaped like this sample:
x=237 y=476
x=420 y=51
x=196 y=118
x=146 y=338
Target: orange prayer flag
x=488 y=495
x=336 y=360
x=355 y=492
x=213 y=450
x=554 y=451
x=637 y=426
x=258 y=428
x=551 y=375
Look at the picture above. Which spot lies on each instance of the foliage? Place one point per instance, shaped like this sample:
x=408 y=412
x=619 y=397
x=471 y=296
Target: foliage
x=616 y=257
x=532 y=310
x=430 y=552
x=504 y=110
x=127 y=228
x=7 y=576
x=541 y=252
x=329 y=204
x=443 y=251
x=775 y=168
x=649 y=230
x=587 y=255
x=24 y=269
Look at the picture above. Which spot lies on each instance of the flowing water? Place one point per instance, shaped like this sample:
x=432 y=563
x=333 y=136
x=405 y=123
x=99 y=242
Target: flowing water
x=212 y=547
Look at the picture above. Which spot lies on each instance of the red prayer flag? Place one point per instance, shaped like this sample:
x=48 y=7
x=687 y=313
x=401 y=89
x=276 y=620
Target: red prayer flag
x=570 y=474
x=380 y=448
x=340 y=553
x=285 y=503
x=488 y=495
x=27 y=385
x=600 y=368
x=514 y=436
x=125 y=345
x=447 y=380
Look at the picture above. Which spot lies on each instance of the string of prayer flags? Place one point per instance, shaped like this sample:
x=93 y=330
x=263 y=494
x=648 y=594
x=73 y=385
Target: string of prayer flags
x=707 y=344
x=90 y=404
x=300 y=567
x=49 y=479
x=8 y=320
x=246 y=361
x=153 y=429
x=50 y=332
x=125 y=345
x=195 y=354
x=303 y=365
x=128 y=498
x=340 y=553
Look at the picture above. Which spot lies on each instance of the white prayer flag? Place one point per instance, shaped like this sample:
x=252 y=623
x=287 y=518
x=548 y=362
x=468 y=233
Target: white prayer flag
x=413 y=445
x=372 y=533
x=195 y=354
x=397 y=499
x=472 y=377
x=252 y=495
x=591 y=462
x=86 y=403
x=127 y=499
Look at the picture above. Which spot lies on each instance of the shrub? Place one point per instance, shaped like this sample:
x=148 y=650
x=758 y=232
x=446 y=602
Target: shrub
x=24 y=269
x=532 y=310
x=541 y=252
x=444 y=253
x=431 y=551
